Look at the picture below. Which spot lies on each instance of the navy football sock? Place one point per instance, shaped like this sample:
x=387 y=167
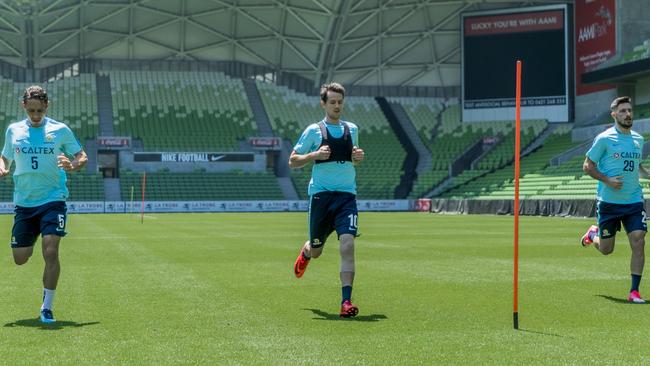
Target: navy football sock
x=346 y=292
x=636 y=280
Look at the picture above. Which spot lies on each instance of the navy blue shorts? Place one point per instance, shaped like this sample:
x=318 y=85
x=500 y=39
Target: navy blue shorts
x=29 y=222
x=329 y=211
x=610 y=216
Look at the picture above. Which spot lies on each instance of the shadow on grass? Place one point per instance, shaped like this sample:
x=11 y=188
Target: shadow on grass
x=541 y=333
x=36 y=323
x=619 y=300
x=321 y=315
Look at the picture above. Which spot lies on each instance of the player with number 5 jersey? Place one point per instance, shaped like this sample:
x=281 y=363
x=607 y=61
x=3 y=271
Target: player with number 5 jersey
x=615 y=161
x=332 y=145
x=41 y=149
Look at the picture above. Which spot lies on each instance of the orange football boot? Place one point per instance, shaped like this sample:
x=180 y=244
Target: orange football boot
x=300 y=265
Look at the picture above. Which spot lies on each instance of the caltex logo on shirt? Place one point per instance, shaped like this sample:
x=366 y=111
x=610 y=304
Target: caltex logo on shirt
x=617 y=155
x=17 y=150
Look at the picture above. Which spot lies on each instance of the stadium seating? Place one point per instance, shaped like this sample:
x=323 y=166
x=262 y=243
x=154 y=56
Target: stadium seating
x=423 y=113
x=82 y=187
x=448 y=140
x=436 y=126
x=503 y=153
x=201 y=111
x=199 y=185
x=181 y=111
x=426 y=181
x=73 y=101
x=85 y=187
x=499 y=183
x=291 y=112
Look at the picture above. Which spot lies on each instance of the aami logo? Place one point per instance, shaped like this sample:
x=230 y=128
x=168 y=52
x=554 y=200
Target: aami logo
x=587 y=33
x=592 y=32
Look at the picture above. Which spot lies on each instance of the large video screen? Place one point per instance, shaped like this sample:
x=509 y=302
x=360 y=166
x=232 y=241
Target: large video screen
x=492 y=43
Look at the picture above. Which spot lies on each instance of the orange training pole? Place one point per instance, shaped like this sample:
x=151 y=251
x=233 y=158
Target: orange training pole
x=515 y=314
x=144 y=185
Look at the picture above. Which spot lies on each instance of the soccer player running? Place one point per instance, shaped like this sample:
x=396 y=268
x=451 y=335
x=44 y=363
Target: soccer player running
x=615 y=161
x=332 y=145
x=40 y=145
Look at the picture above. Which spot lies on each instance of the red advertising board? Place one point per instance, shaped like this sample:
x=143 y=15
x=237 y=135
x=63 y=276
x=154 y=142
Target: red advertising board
x=422 y=205
x=264 y=142
x=114 y=141
x=595 y=39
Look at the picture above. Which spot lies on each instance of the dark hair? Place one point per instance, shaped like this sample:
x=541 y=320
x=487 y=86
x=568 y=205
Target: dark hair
x=333 y=87
x=618 y=101
x=35 y=92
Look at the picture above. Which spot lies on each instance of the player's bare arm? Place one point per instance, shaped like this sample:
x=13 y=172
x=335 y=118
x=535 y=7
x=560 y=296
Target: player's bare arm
x=590 y=168
x=4 y=166
x=80 y=159
x=299 y=160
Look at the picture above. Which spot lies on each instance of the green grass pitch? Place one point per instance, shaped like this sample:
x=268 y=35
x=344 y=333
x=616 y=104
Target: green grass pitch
x=210 y=289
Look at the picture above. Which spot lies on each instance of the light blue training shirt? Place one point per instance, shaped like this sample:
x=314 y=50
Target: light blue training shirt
x=330 y=176
x=37 y=178
x=618 y=154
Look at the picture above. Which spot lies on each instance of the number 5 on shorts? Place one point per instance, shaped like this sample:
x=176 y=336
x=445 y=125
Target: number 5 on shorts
x=61 y=221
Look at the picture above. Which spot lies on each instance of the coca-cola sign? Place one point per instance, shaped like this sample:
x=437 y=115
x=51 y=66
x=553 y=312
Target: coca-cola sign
x=114 y=141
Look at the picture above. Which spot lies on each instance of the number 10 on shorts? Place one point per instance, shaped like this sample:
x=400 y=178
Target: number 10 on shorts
x=353 y=221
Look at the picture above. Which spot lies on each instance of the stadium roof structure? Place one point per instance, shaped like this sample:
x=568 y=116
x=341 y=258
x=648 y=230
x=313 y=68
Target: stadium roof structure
x=362 y=42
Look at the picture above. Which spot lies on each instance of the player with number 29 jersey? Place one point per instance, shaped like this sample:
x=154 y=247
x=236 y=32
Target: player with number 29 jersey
x=618 y=154
x=614 y=160
x=37 y=178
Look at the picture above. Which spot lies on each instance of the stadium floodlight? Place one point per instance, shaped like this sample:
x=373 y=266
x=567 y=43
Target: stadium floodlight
x=515 y=314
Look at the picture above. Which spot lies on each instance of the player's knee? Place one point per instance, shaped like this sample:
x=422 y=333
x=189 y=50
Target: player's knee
x=51 y=254
x=21 y=260
x=21 y=255
x=347 y=249
x=606 y=250
x=638 y=245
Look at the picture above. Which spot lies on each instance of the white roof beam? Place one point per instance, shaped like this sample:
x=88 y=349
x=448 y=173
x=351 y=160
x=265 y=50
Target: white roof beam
x=280 y=36
x=413 y=43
